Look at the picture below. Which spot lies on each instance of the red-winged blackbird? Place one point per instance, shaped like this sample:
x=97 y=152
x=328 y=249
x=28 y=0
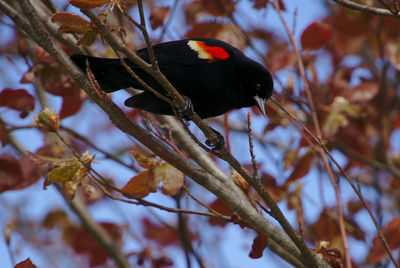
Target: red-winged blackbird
x=213 y=75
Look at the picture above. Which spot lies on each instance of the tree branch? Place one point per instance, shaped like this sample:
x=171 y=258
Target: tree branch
x=367 y=9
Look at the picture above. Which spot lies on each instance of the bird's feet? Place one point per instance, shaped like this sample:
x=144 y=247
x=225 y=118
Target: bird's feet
x=220 y=142
x=187 y=110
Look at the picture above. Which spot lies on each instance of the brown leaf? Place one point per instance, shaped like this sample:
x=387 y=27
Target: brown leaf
x=25 y=264
x=138 y=185
x=219 y=7
x=302 y=167
x=17 y=99
x=87 y=39
x=316 y=35
x=88 y=4
x=71 y=23
x=158 y=16
x=17 y=174
x=391 y=232
x=258 y=246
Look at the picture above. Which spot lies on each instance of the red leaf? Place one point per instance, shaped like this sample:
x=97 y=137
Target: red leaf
x=160 y=233
x=84 y=243
x=392 y=234
x=316 y=35
x=281 y=60
x=56 y=82
x=17 y=173
x=17 y=99
x=219 y=206
x=258 y=246
x=3 y=134
x=302 y=167
x=72 y=104
x=25 y=264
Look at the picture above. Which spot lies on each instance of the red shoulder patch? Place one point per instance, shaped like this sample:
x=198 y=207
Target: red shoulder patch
x=207 y=52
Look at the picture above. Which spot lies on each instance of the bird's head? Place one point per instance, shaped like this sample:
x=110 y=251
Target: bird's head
x=257 y=85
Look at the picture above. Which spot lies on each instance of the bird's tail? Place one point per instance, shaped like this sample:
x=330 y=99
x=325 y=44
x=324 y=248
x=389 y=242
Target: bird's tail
x=109 y=73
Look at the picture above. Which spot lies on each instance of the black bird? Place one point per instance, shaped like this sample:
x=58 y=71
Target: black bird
x=212 y=74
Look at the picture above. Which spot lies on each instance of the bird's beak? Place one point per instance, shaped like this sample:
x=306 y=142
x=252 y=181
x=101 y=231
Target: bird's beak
x=260 y=103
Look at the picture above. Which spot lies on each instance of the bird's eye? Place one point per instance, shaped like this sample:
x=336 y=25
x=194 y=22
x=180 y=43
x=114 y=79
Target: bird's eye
x=258 y=87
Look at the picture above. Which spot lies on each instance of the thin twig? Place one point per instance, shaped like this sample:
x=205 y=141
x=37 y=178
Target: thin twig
x=341 y=170
x=367 y=9
x=253 y=157
x=300 y=65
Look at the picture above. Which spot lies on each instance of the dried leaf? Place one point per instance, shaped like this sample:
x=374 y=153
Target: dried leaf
x=302 y=167
x=338 y=115
x=171 y=177
x=64 y=173
x=71 y=23
x=138 y=185
x=316 y=35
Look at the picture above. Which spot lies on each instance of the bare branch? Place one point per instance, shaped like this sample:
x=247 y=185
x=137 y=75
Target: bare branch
x=367 y=9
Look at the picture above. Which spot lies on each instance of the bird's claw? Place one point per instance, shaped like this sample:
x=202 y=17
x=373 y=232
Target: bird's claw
x=187 y=110
x=220 y=142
